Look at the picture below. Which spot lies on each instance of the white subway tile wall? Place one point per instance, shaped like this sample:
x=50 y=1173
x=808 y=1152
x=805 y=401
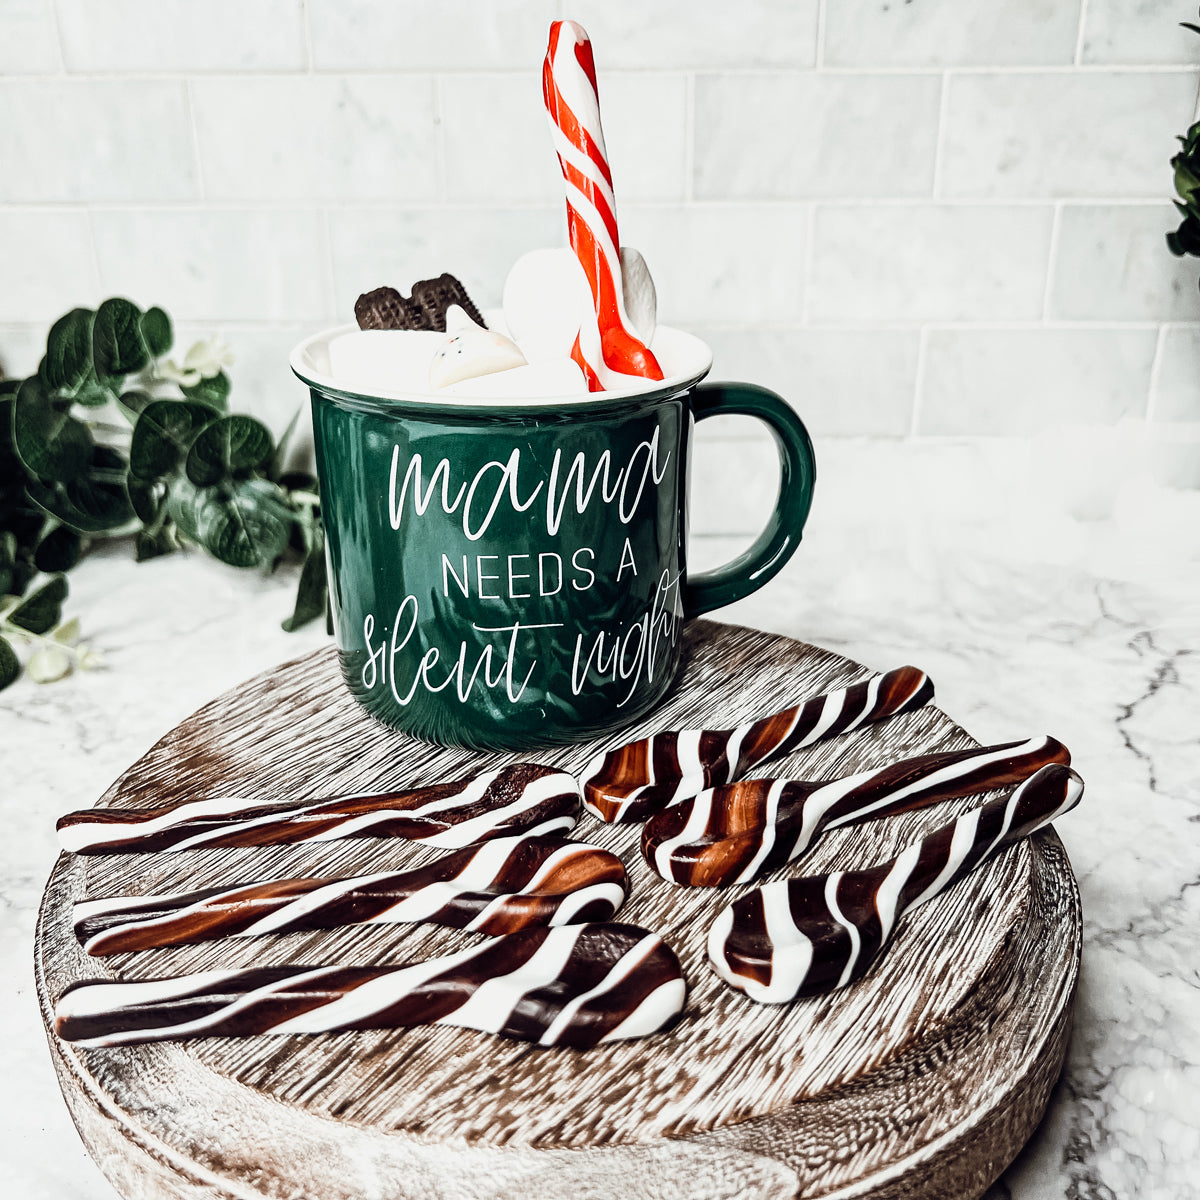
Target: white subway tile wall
x=943 y=218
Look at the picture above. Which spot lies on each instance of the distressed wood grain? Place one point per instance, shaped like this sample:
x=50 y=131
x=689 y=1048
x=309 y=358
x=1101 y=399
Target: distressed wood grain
x=923 y=1079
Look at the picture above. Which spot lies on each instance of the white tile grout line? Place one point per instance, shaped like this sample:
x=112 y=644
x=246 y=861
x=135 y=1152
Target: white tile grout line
x=1155 y=366
x=810 y=239
x=1083 y=70
x=306 y=35
x=441 y=187
x=95 y=252
x=328 y=269
x=194 y=134
x=939 y=145
x=689 y=137
x=355 y=205
x=58 y=39
x=1051 y=260
x=983 y=325
x=820 y=55
x=914 y=427
x=1083 y=15
x=268 y=324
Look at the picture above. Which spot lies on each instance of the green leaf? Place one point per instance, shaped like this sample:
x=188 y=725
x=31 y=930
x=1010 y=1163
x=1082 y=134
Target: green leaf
x=118 y=348
x=184 y=503
x=312 y=590
x=133 y=403
x=96 y=503
x=42 y=610
x=16 y=566
x=281 y=451
x=245 y=524
x=229 y=448
x=147 y=498
x=10 y=665
x=50 y=442
x=163 y=435
x=11 y=468
x=157 y=332
x=1185 y=239
x=214 y=392
x=297 y=481
x=67 y=366
x=109 y=462
x=59 y=550
x=154 y=543
x=67 y=634
x=95 y=394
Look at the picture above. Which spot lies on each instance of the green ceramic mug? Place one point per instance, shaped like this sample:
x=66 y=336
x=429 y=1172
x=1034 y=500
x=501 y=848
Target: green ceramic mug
x=512 y=574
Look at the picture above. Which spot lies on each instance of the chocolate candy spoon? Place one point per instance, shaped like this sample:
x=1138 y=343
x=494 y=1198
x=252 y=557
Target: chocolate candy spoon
x=521 y=798
x=497 y=887
x=576 y=985
x=803 y=937
x=734 y=834
x=637 y=780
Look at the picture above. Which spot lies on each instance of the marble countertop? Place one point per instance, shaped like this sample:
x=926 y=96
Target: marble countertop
x=1043 y=593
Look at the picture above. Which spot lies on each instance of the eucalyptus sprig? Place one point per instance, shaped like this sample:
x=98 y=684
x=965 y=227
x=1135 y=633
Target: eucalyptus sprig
x=110 y=438
x=1186 y=239
x=35 y=622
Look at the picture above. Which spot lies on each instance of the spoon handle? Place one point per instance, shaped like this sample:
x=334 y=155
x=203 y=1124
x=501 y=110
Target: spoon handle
x=577 y=985
x=496 y=887
x=684 y=762
x=808 y=936
x=521 y=798
x=735 y=833
x=925 y=779
x=898 y=691
x=938 y=861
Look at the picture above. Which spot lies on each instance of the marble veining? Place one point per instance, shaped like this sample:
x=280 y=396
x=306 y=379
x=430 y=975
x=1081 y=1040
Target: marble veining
x=1031 y=619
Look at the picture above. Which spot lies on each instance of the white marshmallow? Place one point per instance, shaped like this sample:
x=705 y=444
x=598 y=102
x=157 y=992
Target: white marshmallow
x=550 y=377
x=641 y=300
x=547 y=298
x=469 y=350
x=388 y=360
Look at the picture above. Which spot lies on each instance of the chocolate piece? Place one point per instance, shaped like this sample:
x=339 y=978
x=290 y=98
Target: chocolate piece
x=577 y=985
x=497 y=887
x=386 y=308
x=803 y=937
x=736 y=833
x=435 y=296
x=636 y=780
x=521 y=798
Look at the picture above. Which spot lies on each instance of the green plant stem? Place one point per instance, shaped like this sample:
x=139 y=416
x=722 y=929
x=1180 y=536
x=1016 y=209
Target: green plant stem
x=7 y=629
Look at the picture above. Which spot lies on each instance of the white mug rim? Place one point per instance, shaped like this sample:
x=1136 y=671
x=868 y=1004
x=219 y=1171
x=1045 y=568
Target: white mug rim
x=305 y=367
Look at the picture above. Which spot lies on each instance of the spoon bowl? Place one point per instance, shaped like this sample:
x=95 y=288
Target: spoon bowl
x=804 y=937
x=735 y=833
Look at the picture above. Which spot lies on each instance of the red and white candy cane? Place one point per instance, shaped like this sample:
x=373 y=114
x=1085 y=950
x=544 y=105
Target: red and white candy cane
x=608 y=347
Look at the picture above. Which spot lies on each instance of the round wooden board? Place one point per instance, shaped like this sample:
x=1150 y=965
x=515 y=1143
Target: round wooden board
x=922 y=1080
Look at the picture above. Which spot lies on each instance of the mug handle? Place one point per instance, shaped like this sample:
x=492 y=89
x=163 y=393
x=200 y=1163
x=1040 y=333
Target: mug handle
x=797 y=475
